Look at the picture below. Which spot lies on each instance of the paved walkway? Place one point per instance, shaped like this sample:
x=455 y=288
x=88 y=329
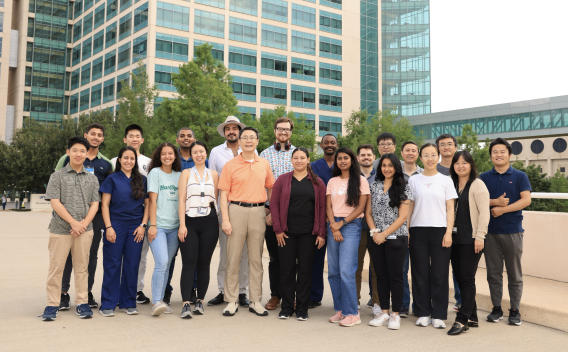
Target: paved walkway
x=23 y=267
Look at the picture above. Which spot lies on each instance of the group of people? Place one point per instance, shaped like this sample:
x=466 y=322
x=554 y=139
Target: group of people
x=342 y=205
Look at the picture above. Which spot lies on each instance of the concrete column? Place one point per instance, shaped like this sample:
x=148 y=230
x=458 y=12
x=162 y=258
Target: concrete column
x=549 y=166
x=526 y=161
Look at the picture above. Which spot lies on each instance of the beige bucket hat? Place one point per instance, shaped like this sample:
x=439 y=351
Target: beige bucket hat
x=228 y=121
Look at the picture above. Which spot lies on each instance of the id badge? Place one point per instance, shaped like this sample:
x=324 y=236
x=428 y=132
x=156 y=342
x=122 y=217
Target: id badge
x=90 y=169
x=455 y=229
x=202 y=210
x=391 y=237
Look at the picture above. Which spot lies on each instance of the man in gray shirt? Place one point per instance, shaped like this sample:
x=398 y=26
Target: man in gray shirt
x=447 y=145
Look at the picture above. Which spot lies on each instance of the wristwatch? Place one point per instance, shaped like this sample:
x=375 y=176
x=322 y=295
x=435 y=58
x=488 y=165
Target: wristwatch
x=344 y=222
x=144 y=225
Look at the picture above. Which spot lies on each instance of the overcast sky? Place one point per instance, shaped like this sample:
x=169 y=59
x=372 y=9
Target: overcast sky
x=487 y=52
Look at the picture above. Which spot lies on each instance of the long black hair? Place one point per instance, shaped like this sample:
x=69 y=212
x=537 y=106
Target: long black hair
x=157 y=158
x=397 y=190
x=354 y=183
x=136 y=179
x=468 y=159
x=309 y=168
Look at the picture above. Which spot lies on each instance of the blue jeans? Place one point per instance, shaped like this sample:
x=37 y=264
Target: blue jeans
x=342 y=262
x=457 y=292
x=163 y=247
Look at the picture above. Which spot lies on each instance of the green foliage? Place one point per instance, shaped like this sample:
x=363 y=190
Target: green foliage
x=558 y=184
x=468 y=141
x=539 y=183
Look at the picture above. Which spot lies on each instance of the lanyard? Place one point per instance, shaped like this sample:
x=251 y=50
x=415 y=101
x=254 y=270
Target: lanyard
x=201 y=182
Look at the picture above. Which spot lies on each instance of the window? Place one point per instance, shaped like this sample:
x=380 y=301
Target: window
x=66 y=106
x=98 y=42
x=274 y=65
x=275 y=10
x=215 y=3
x=304 y=43
x=67 y=80
x=29 y=51
x=163 y=77
x=125 y=26
x=96 y=92
x=77 y=30
x=30 y=27
x=87 y=24
x=67 y=58
x=139 y=48
x=86 y=52
x=304 y=69
x=330 y=100
x=124 y=4
x=172 y=47
x=330 y=74
x=124 y=56
x=110 y=62
x=73 y=103
x=78 y=8
x=75 y=79
x=563 y=169
x=243 y=110
x=273 y=92
x=336 y=4
x=217 y=51
x=88 y=5
x=84 y=100
x=86 y=74
x=1 y=21
x=559 y=145
x=242 y=59
x=141 y=17
x=244 y=88
x=209 y=23
x=111 y=9
x=173 y=16
x=76 y=56
x=303 y=16
x=309 y=120
x=108 y=91
x=122 y=80
x=249 y=7
x=274 y=37
x=28 y=81
x=330 y=48
x=330 y=22
x=110 y=35
x=99 y=16
x=329 y=124
x=242 y=30
x=303 y=97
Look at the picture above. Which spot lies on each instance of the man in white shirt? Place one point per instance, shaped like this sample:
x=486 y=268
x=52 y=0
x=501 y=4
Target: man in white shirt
x=219 y=156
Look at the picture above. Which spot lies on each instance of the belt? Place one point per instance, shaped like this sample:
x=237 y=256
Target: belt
x=248 y=205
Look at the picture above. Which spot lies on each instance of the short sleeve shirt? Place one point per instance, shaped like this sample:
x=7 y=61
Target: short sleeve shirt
x=166 y=187
x=76 y=191
x=430 y=195
x=123 y=207
x=246 y=181
x=383 y=214
x=143 y=163
x=320 y=168
x=280 y=160
x=337 y=188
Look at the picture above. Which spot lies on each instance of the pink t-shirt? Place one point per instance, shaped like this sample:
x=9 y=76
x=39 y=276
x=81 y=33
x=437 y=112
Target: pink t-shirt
x=337 y=188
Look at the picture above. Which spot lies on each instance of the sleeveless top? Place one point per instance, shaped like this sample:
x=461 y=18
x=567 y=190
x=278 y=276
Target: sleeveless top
x=193 y=199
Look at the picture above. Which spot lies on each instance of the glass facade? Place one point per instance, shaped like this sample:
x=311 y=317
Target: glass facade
x=406 y=56
x=369 y=55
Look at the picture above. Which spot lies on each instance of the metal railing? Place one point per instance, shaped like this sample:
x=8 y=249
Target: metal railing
x=548 y=195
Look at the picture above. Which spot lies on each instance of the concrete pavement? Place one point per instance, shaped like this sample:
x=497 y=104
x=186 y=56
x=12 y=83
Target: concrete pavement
x=23 y=268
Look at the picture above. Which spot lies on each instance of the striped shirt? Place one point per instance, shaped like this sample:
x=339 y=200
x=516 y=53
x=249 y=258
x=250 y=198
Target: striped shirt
x=193 y=197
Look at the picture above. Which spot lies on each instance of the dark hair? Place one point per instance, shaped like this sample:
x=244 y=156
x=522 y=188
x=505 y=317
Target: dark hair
x=309 y=168
x=284 y=119
x=95 y=125
x=136 y=179
x=327 y=135
x=365 y=146
x=157 y=158
x=500 y=141
x=446 y=136
x=248 y=129
x=468 y=159
x=198 y=143
x=185 y=128
x=425 y=145
x=386 y=136
x=354 y=183
x=408 y=142
x=397 y=191
x=77 y=140
x=133 y=127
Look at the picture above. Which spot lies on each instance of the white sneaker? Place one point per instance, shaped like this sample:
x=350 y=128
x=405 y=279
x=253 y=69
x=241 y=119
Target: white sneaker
x=394 y=321
x=376 y=310
x=380 y=319
x=438 y=324
x=168 y=310
x=230 y=309
x=423 y=321
x=158 y=308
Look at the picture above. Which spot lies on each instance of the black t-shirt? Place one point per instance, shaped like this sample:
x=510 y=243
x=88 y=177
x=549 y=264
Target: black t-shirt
x=463 y=219
x=301 y=211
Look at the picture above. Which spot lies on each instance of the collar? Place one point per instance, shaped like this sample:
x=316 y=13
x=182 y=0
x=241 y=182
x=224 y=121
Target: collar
x=181 y=157
x=371 y=174
x=322 y=161
x=68 y=169
x=509 y=171
x=243 y=160
x=227 y=148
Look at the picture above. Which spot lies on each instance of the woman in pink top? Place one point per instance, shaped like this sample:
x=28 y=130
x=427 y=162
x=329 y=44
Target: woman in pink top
x=346 y=197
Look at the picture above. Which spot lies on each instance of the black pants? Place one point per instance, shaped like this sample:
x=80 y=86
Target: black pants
x=300 y=248
x=430 y=263
x=98 y=226
x=464 y=264
x=274 y=264
x=388 y=261
x=196 y=252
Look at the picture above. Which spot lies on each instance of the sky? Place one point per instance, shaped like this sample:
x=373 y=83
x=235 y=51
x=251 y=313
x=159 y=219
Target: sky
x=486 y=52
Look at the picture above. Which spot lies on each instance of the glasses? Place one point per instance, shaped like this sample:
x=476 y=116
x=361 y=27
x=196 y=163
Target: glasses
x=245 y=138
x=284 y=130
x=384 y=145
x=443 y=145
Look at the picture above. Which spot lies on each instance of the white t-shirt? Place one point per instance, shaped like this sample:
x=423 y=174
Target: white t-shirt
x=143 y=163
x=430 y=196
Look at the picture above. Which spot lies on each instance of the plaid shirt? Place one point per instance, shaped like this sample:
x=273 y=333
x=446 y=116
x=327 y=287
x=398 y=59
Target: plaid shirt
x=280 y=160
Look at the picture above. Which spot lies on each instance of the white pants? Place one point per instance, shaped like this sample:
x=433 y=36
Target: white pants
x=142 y=267
x=243 y=267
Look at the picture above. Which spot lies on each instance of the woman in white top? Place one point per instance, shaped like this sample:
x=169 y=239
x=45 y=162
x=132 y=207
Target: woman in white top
x=430 y=238
x=199 y=226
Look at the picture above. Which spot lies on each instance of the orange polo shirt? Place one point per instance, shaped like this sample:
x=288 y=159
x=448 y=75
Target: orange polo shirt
x=245 y=181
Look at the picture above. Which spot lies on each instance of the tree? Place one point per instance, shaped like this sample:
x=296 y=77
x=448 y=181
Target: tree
x=539 y=183
x=468 y=141
x=558 y=184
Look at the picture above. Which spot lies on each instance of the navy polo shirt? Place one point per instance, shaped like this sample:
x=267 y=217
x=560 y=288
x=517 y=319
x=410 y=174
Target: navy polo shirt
x=123 y=207
x=189 y=163
x=101 y=167
x=321 y=169
x=512 y=182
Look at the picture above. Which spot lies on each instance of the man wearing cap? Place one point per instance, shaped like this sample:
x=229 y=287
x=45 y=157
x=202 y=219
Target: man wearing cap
x=219 y=156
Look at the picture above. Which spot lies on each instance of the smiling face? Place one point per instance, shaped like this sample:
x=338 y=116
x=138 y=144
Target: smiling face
x=462 y=167
x=198 y=154
x=387 y=168
x=127 y=161
x=410 y=153
x=283 y=132
x=185 y=138
x=500 y=155
x=95 y=137
x=232 y=133
x=77 y=154
x=167 y=156
x=447 y=147
x=134 y=139
x=386 y=146
x=248 y=141
x=429 y=158
x=343 y=161
x=329 y=145
x=366 y=157
x=300 y=161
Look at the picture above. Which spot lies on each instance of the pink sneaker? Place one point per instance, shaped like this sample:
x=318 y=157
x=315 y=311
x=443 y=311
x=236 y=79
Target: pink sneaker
x=337 y=317
x=350 y=320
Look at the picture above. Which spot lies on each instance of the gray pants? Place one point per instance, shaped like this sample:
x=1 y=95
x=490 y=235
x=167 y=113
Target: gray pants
x=508 y=248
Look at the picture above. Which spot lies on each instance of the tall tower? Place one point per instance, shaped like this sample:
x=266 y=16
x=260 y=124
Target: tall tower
x=370 y=56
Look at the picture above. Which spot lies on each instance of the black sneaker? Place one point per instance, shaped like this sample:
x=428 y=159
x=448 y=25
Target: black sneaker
x=193 y=297
x=141 y=298
x=243 y=300
x=370 y=303
x=514 y=317
x=219 y=299
x=302 y=316
x=167 y=297
x=313 y=304
x=92 y=303
x=64 y=302
x=283 y=315
x=404 y=312
x=496 y=315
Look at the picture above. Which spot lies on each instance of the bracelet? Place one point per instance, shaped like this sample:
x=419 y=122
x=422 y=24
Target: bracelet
x=374 y=231
x=108 y=227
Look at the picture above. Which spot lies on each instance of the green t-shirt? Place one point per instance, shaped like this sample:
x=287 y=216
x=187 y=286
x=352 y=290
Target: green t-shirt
x=166 y=186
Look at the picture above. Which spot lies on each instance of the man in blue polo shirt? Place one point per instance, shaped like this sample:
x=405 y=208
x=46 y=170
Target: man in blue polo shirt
x=510 y=192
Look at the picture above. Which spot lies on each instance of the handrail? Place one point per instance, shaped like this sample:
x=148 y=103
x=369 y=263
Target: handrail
x=548 y=195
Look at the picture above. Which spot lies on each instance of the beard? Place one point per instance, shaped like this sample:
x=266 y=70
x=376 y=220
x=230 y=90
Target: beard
x=232 y=138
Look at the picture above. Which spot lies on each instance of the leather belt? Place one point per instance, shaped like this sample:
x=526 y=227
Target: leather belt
x=248 y=205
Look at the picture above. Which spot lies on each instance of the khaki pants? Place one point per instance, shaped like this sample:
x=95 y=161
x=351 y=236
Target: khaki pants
x=359 y=273
x=248 y=225
x=59 y=247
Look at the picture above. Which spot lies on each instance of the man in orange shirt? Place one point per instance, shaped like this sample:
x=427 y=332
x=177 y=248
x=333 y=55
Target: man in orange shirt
x=243 y=182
